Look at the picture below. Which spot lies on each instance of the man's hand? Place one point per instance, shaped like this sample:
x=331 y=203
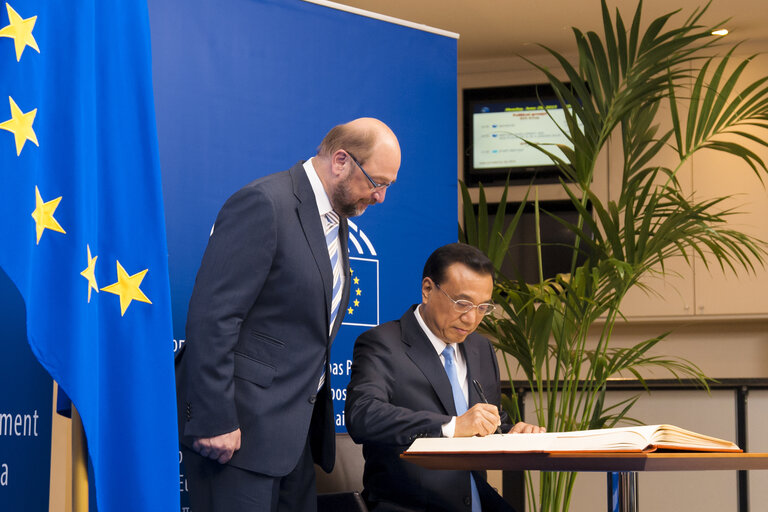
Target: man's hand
x=526 y=428
x=480 y=420
x=219 y=448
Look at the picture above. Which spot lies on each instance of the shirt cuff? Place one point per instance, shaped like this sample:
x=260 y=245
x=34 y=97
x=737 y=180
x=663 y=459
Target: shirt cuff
x=449 y=428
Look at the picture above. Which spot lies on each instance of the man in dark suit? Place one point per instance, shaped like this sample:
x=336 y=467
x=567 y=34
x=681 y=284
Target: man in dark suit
x=254 y=402
x=425 y=376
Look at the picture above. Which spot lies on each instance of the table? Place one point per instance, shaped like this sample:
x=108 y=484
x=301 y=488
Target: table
x=627 y=464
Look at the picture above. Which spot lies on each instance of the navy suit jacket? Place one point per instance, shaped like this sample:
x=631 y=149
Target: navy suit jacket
x=257 y=328
x=399 y=391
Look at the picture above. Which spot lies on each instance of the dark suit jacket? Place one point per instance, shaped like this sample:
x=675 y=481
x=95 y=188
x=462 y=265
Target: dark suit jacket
x=399 y=391
x=257 y=328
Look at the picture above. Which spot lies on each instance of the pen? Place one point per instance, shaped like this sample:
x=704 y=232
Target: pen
x=479 y=389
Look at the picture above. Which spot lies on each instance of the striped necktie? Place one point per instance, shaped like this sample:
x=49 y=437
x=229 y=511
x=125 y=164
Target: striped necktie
x=332 y=241
x=461 y=407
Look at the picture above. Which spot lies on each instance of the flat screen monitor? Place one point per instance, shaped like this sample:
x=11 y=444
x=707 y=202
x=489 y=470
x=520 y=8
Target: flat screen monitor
x=498 y=121
x=521 y=260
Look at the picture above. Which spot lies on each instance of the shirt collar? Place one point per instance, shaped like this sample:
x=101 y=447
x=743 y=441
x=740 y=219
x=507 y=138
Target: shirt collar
x=438 y=344
x=321 y=197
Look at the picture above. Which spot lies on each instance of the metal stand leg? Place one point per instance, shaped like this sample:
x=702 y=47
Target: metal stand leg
x=622 y=492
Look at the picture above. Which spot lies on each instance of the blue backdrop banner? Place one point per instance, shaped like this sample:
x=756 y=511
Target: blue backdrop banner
x=245 y=88
x=83 y=233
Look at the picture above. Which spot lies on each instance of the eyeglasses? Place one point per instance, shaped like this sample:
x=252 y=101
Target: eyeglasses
x=373 y=183
x=465 y=306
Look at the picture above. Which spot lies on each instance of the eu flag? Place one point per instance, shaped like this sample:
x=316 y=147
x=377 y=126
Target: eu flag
x=83 y=232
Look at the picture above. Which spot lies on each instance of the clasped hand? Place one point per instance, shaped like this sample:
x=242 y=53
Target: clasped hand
x=219 y=448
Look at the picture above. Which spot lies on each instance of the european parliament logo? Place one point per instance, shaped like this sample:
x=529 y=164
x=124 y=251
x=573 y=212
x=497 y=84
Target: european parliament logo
x=363 y=308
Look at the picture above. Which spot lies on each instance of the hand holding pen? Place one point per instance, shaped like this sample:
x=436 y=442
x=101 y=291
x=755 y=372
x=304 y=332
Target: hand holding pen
x=479 y=390
x=520 y=427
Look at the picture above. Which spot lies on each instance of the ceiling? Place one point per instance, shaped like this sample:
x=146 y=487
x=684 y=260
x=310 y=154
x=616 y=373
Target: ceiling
x=491 y=29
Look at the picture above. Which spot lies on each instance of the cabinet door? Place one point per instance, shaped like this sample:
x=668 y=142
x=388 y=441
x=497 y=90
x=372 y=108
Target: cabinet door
x=671 y=294
x=712 y=291
x=729 y=293
x=717 y=174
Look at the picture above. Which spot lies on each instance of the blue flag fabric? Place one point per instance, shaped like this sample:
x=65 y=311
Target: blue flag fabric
x=83 y=232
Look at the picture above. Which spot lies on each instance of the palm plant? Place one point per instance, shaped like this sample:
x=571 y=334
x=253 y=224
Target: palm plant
x=622 y=82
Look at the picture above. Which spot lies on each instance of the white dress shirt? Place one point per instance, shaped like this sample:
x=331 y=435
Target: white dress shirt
x=321 y=198
x=461 y=367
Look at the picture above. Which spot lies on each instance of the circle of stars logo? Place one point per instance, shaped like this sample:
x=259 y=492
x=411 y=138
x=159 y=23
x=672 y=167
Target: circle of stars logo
x=356 y=292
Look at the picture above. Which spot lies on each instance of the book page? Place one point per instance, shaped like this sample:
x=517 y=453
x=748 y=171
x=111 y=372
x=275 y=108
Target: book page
x=623 y=439
x=670 y=436
x=632 y=438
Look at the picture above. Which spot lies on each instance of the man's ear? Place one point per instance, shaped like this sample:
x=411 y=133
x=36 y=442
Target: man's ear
x=427 y=287
x=338 y=160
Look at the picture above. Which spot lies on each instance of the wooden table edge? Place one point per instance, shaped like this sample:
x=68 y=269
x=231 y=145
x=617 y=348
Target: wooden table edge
x=591 y=461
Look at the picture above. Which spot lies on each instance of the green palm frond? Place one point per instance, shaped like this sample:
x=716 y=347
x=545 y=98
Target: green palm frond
x=475 y=231
x=718 y=114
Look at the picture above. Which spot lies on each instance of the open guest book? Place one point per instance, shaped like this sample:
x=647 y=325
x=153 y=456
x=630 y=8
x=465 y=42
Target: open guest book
x=646 y=438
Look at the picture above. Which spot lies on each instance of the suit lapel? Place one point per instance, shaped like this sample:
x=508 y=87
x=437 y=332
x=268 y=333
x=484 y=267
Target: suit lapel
x=309 y=217
x=344 y=249
x=474 y=367
x=421 y=351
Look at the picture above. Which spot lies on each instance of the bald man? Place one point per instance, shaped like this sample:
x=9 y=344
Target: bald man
x=255 y=406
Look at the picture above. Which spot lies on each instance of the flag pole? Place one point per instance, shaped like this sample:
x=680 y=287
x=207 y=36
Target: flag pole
x=79 y=464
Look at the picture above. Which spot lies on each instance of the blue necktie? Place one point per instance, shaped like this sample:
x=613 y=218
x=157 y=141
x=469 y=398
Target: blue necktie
x=461 y=407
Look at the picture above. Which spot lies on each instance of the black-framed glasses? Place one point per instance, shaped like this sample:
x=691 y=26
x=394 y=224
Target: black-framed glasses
x=464 y=306
x=373 y=183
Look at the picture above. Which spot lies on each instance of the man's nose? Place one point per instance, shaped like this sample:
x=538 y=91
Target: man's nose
x=472 y=316
x=379 y=194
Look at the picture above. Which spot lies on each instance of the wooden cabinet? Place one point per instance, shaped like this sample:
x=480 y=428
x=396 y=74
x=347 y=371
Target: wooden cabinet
x=700 y=291
x=671 y=293
x=729 y=293
x=711 y=292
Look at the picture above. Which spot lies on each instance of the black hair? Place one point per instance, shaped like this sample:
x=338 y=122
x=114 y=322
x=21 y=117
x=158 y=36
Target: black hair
x=445 y=256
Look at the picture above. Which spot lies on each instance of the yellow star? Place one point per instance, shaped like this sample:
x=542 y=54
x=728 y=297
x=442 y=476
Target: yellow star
x=356 y=280
x=90 y=273
x=358 y=291
x=356 y=303
x=43 y=215
x=351 y=271
x=350 y=311
x=20 y=125
x=20 y=31
x=127 y=287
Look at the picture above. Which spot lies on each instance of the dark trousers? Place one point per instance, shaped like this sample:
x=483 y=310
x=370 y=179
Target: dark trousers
x=215 y=487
